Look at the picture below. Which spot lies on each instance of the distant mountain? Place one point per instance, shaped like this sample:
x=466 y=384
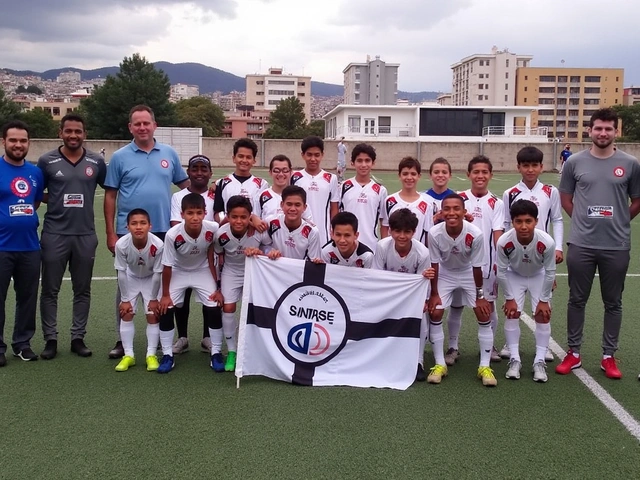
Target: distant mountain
x=417 y=97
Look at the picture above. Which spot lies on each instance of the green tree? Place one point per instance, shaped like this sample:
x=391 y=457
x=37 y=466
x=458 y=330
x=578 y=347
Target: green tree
x=287 y=120
x=137 y=82
x=41 y=123
x=9 y=110
x=630 y=118
x=316 y=127
x=30 y=89
x=200 y=112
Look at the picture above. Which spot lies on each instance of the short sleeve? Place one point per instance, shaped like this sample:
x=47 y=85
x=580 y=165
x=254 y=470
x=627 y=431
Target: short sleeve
x=568 y=180
x=634 y=181
x=434 y=251
x=120 y=260
x=176 y=209
x=114 y=172
x=179 y=175
x=169 y=252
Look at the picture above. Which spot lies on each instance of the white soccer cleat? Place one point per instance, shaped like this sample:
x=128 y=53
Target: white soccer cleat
x=181 y=346
x=505 y=352
x=540 y=372
x=548 y=357
x=513 y=372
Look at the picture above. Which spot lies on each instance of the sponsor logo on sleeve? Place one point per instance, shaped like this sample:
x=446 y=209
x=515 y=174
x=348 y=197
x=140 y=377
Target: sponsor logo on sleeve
x=327 y=177
x=306 y=230
x=223 y=239
x=153 y=251
x=208 y=236
x=513 y=195
x=376 y=188
x=390 y=203
x=468 y=240
x=464 y=196
x=509 y=248
x=346 y=186
x=422 y=206
x=265 y=197
x=492 y=202
x=541 y=247
x=359 y=263
x=295 y=177
x=547 y=190
x=258 y=181
x=333 y=258
x=274 y=226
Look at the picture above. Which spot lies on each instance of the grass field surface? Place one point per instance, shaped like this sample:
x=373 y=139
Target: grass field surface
x=77 y=418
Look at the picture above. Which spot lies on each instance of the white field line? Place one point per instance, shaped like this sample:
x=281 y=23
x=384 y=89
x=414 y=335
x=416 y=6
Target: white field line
x=624 y=417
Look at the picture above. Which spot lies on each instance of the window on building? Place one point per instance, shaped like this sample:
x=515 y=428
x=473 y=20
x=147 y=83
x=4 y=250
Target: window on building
x=486 y=75
x=282 y=92
x=562 y=90
x=303 y=84
x=506 y=86
x=384 y=124
x=616 y=90
x=274 y=102
x=545 y=123
x=574 y=90
x=547 y=78
x=586 y=123
x=525 y=99
x=486 y=97
x=69 y=110
x=259 y=82
x=506 y=98
x=259 y=104
x=546 y=101
x=526 y=88
x=526 y=77
x=481 y=75
x=592 y=101
x=573 y=124
x=545 y=112
x=301 y=94
x=562 y=78
x=547 y=89
x=481 y=63
x=572 y=135
x=481 y=86
x=573 y=113
x=588 y=113
x=506 y=74
x=56 y=111
x=592 y=79
x=259 y=93
x=591 y=89
x=354 y=124
x=507 y=63
x=281 y=82
x=486 y=63
x=585 y=135
x=561 y=101
x=575 y=79
x=486 y=86
x=574 y=101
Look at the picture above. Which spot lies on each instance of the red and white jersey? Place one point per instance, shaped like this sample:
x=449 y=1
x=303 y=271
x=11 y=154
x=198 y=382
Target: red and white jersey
x=301 y=243
x=176 y=205
x=322 y=190
x=182 y=252
x=269 y=206
x=527 y=260
x=229 y=186
x=233 y=247
x=488 y=216
x=460 y=253
x=387 y=257
x=139 y=263
x=421 y=207
x=367 y=203
x=361 y=257
x=547 y=199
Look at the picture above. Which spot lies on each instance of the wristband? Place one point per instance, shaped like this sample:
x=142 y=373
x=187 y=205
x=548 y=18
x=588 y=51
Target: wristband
x=479 y=294
x=218 y=283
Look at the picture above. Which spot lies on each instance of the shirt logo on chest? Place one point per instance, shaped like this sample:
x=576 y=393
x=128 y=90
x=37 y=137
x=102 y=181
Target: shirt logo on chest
x=88 y=171
x=20 y=187
x=618 y=172
x=164 y=163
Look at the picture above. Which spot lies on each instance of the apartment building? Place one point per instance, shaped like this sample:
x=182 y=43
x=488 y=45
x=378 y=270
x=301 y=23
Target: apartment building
x=373 y=82
x=567 y=97
x=265 y=92
x=487 y=79
x=182 y=91
x=245 y=121
x=631 y=96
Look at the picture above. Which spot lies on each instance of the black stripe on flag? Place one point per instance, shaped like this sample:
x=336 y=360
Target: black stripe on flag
x=314 y=273
x=390 y=327
x=261 y=317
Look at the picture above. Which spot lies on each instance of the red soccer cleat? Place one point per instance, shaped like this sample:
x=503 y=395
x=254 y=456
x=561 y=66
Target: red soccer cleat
x=570 y=362
x=610 y=368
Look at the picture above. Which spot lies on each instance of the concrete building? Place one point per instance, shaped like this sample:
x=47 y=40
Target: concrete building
x=69 y=77
x=56 y=108
x=373 y=82
x=246 y=122
x=565 y=98
x=487 y=79
x=432 y=123
x=265 y=92
x=444 y=99
x=182 y=91
x=631 y=96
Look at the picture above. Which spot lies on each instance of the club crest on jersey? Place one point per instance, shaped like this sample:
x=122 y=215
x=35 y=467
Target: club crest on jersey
x=513 y=194
x=153 y=251
x=265 y=197
x=346 y=186
x=178 y=242
x=541 y=247
x=547 y=190
x=306 y=230
x=208 y=236
x=333 y=259
x=509 y=248
x=327 y=177
x=391 y=202
x=618 y=172
x=164 y=163
x=257 y=181
x=376 y=188
x=88 y=171
x=359 y=263
x=274 y=226
x=223 y=240
x=468 y=240
x=20 y=187
x=295 y=177
x=492 y=202
x=422 y=206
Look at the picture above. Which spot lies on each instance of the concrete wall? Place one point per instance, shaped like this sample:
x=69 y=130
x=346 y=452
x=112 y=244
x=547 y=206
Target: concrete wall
x=220 y=151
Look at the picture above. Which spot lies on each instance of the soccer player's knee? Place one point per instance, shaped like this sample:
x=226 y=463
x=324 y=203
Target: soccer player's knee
x=435 y=318
x=229 y=308
x=152 y=319
x=539 y=318
x=127 y=317
x=213 y=316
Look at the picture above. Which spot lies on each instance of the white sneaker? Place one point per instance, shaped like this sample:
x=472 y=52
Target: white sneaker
x=205 y=345
x=495 y=356
x=505 y=352
x=548 y=357
x=181 y=346
x=514 y=369
x=540 y=372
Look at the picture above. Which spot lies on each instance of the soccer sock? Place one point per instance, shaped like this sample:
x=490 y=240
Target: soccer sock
x=153 y=337
x=424 y=333
x=543 y=335
x=512 y=336
x=213 y=316
x=493 y=318
x=182 y=320
x=166 y=332
x=436 y=336
x=454 y=322
x=229 y=329
x=127 y=331
x=205 y=327
x=485 y=339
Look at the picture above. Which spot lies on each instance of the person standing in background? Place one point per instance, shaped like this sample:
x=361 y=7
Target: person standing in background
x=342 y=162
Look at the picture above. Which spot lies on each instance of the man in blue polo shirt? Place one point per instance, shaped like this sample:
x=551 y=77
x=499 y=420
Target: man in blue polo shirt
x=140 y=176
x=21 y=189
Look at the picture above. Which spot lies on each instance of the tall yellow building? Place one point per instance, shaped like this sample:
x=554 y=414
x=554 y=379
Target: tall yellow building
x=567 y=97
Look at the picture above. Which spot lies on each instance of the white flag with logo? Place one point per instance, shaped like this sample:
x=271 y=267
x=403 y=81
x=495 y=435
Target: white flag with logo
x=329 y=325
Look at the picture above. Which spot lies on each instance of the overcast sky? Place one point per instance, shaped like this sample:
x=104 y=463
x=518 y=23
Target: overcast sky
x=319 y=38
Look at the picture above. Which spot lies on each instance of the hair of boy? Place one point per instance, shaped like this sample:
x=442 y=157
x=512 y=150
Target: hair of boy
x=606 y=115
x=198 y=159
x=245 y=143
x=239 y=201
x=479 y=159
x=409 y=162
x=291 y=190
x=345 y=218
x=529 y=155
x=279 y=158
x=453 y=196
x=71 y=117
x=403 y=219
x=141 y=108
x=18 y=124
x=523 y=207
x=440 y=161
x=310 y=142
x=363 y=148
x=193 y=200
x=138 y=211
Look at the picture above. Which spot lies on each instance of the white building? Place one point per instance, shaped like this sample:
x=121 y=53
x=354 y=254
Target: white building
x=265 y=92
x=487 y=79
x=373 y=82
x=182 y=91
x=432 y=123
x=69 y=77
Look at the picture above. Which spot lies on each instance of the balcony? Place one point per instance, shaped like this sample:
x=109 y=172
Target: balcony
x=377 y=131
x=515 y=131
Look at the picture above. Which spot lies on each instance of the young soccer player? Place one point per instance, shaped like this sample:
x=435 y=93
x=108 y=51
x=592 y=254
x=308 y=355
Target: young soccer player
x=440 y=173
x=402 y=252
x=487 y=212
x=363 y=196
x=291 y=235
x=232 y=240
x=188 y=263
x=526 y=263
x=546 y=198
x=457 y=255
x=199 y=172
x=138 y=261
x=323 y=192
x=409 y=171
x=344 y=247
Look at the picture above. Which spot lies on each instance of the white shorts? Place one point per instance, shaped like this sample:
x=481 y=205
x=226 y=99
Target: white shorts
x=201 y=281
x=489 y=288
x=520 y=285
x=140 y=289
x=231 y=286
x=457 y=288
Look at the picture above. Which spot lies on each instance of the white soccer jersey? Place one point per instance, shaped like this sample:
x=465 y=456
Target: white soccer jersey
x=547 y=199
x=421 y=207
x=367 y=203
x=139 y=263
x=301 y=243
x=269 y=206
x=387 y=257
x=488 y=216
x=176 y=205
x=462 y=253
x=229 y=186
x=526 y=261
x=182 y=252
x=322 y=190
x=233 y=247
x=361 y=257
